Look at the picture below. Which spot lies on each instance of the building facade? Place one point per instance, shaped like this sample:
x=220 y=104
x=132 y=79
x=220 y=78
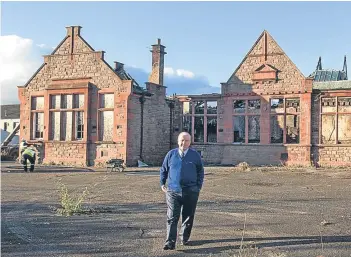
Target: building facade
x=268 y=113
x=10 y=118
x=84 y=112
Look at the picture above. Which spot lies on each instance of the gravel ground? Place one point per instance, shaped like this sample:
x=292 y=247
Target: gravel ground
x=272 y=212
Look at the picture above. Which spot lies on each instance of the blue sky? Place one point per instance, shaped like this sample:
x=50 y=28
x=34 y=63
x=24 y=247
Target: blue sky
x=206 y=39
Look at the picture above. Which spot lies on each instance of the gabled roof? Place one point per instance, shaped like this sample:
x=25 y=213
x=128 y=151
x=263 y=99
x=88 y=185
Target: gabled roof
x=11 y=111
x=121 y=73
x=262 y=42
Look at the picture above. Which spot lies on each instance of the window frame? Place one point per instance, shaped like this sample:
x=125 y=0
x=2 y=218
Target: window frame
x=246 y=113
x=100 y=110
x=205 y=117
x=34 y=119
x=285 y=113
x=336 y=115
x=73 y=109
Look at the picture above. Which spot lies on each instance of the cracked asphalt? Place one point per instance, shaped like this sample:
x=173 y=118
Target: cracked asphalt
x=272 y=212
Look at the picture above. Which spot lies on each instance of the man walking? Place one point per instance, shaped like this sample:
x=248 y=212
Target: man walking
x=28 y=154
x=183 y=169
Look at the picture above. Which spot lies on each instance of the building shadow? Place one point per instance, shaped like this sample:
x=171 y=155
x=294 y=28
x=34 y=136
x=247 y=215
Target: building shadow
x=268 y=242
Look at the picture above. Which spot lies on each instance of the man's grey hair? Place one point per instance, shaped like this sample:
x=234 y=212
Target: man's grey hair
x=184 y=133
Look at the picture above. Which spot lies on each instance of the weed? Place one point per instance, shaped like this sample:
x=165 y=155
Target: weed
x=244 y=166
x=70 y=204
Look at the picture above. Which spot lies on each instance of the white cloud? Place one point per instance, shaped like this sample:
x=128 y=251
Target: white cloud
x=41 y=45
x=177 y=82
x=169 y=71
x=178 y=72
x=19 y=59
x=185 y=73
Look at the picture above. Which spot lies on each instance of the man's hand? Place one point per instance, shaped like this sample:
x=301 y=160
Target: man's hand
x=164 y=188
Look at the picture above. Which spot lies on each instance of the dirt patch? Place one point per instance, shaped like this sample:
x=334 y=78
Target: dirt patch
x=288 y=212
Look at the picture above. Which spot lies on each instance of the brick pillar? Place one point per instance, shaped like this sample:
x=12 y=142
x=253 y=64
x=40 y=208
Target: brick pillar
x=158 y=53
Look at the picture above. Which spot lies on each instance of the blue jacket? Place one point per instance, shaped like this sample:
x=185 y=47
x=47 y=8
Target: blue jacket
x=182 y=174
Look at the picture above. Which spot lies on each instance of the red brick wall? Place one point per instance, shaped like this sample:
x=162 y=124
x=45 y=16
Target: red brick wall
x=254 y=154
x=156 y=137
x=74 y=60
x=66 y=153
x=133 y=130
x=326 y=155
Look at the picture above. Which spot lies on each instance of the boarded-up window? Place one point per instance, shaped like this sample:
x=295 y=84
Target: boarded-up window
x=38 y=103
x=277 y=128
x=292 y=129
x=211 y=129
x=254 y=129
x=37 y=107
x=66 y=126
x=239 y=129
x=66 y=101
x=328 y=129
x=78 y=101
x=344 y=104
x=344 y=129
x=186 y=107
x=55 y=125
x=336 y=118
x=106 y=100
x=55 y=101
x=106 y=125
x=328 y=105
x=106 y=117
x=199 y=129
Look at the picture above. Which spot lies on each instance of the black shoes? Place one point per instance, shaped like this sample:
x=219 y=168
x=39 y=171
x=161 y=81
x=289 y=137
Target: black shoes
x=184 y=242
x=169 y=247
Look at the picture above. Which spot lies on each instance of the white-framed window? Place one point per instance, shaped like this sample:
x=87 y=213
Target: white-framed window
x=37 y=115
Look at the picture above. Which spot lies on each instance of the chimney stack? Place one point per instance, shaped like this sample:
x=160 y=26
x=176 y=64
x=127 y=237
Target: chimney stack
x=119 y=66
x=158 y=53
x=73 y=30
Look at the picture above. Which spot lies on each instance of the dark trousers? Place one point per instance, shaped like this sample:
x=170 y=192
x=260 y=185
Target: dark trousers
x=185 y=203
x=31 y=160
